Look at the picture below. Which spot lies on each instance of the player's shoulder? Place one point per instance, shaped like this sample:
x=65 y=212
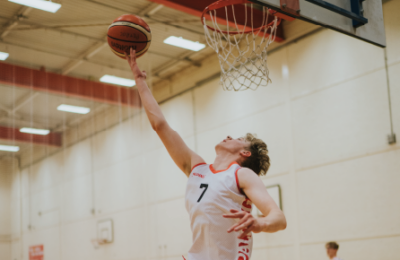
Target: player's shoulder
x=246 y=174
x=246 y=178
x=246 y=171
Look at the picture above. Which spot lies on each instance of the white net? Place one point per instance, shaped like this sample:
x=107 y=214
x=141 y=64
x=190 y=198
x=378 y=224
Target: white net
x=242 y=52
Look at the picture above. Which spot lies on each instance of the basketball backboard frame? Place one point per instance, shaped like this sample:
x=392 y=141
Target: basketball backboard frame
x=365 y=24
x=105 y=231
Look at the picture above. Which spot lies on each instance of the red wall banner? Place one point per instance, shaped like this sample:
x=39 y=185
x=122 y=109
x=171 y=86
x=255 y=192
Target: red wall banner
x=36 y=252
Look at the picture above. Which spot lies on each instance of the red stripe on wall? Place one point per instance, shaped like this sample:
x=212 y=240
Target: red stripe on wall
x=67 y=86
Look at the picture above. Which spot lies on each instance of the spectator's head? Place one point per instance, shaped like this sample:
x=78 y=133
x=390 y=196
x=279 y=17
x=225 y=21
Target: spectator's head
x=331 y=249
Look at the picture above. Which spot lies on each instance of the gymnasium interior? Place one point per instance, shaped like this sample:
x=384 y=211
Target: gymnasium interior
x=329 y=116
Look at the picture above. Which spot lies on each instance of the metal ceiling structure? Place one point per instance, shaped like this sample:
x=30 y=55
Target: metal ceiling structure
x=71 y=45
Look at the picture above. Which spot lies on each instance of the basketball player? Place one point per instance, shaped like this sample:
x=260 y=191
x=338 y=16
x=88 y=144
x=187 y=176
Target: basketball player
x=331 y=250
x=219 y=195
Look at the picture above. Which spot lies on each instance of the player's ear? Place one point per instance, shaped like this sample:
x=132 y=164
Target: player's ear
x=245 y=153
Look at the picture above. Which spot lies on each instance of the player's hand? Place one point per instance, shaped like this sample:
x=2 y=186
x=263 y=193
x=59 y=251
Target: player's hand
x=131 y=58
x=247 y=223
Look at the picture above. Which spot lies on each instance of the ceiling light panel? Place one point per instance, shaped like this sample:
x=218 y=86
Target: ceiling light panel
x=73 y=109
x=9 y=148
x=118 y=81
x=34 y=131
x=39 y=4
x=4 y=55
x=183 y=43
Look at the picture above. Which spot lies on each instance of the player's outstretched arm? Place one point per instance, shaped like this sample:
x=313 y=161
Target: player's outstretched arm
x=273 y=220
x=182 y=155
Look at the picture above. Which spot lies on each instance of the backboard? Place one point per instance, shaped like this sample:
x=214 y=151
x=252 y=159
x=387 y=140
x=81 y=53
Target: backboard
x=357 y=18
x=105 y=232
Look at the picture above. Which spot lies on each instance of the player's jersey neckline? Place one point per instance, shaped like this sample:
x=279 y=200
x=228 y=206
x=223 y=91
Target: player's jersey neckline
x=215 y=171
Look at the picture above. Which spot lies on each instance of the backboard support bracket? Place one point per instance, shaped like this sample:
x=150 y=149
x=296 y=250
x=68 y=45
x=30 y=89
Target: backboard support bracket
x=291 y=6
x=356 y=13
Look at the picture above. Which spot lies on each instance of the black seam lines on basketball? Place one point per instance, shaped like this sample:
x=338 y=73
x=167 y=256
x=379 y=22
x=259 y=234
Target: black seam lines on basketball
x=127 y=41
x=129 y=26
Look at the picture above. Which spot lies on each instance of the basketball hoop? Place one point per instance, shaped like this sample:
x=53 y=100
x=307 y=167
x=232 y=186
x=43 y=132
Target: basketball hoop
x=242 y=52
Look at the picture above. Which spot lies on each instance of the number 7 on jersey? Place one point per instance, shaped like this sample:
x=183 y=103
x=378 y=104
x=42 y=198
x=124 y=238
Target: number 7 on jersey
x=203 y=185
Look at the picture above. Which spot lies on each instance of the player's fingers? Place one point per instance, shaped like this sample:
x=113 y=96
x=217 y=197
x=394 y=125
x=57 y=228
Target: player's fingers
x=233 y=215
x=231 y=228
x=244 y=219
x=244 y=225
x=245 y=233
x=234 y=227
x=234 y=211
x=127 y=57
x=133 y=55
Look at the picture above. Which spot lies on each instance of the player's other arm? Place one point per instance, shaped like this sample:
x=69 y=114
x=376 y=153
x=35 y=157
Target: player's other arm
x=182 y=155
x=273 y=220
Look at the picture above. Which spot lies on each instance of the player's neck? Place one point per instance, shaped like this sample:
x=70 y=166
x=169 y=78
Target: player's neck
x=222 y=161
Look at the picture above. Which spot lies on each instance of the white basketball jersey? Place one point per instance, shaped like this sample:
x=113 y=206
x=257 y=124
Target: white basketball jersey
x=209 y=195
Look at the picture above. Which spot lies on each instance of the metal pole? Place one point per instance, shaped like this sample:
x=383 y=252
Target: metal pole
x=392 y=135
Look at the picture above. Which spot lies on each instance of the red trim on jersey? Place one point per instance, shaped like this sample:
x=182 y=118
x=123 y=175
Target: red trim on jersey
x=237 y=181
x=215 y=171
x=244 y=204
x=197 y=165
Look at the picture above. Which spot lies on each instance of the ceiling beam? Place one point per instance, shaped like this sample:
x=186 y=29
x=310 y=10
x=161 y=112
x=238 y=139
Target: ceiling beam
x=12 y=112
x=151 y=9
x=41 y=26
x=148 y=18
x=40 y=123
x=49 y=82
x=22 y=13
x=11 y=45
x=5 y=109
x=87 y=54
x=14 y=135
x=25 y=99
x=30 y=27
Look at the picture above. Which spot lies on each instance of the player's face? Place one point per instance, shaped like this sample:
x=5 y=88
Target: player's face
x=331 y=252
x=232 y=145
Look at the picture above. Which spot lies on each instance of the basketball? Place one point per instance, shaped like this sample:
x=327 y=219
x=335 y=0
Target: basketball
x=129 y=31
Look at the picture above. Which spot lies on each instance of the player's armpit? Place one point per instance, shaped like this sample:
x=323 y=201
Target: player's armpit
x=255 y=190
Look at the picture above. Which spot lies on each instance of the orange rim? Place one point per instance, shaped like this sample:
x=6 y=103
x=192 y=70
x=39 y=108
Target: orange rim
x=223 y=3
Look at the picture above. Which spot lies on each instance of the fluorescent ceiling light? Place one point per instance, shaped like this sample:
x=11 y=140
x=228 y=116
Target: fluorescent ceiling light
x=39 y=4
x=34 y=131
x=9 y=148
x=118 y=81
x=4 y=55
x=73 y=109
x=183 y=43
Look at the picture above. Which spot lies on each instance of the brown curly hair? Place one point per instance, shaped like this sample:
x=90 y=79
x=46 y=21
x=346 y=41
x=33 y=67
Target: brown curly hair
x=259 y=160
x=332 y=245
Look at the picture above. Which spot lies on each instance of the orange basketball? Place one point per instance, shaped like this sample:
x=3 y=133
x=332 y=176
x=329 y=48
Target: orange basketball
x=129 y=31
